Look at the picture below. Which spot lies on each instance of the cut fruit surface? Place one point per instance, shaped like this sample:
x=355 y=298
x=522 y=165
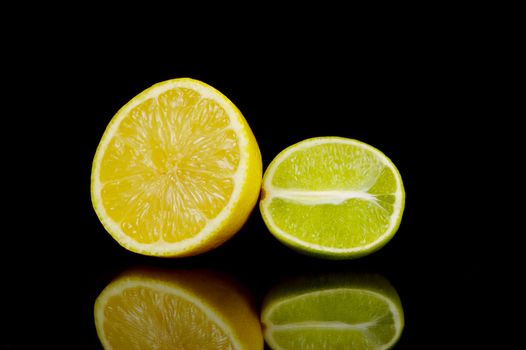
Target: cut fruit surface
x=332 y=197
x=151 y=309
x=361 y=312
x=177 y=171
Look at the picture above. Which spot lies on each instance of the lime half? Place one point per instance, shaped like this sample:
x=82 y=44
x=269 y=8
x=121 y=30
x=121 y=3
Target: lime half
x=333 y=197
x=360 y=312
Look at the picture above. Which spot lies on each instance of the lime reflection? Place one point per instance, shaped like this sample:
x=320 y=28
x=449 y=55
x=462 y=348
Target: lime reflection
x=337 y=311
x=176 y=309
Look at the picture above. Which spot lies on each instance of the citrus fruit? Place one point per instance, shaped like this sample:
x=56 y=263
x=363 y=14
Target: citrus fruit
x=177 y=171
x=332 y=197
x=152 y=309
x=339 y=311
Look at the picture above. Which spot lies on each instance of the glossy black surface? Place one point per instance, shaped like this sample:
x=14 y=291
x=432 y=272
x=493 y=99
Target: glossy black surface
x=412 y=106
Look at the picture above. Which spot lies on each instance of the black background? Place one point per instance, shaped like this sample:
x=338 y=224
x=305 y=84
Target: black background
x=420 y=101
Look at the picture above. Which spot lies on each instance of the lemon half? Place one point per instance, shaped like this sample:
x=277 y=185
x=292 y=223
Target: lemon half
x=177 y=171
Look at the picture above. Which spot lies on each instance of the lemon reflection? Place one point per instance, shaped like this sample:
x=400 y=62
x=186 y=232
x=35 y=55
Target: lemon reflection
x=338 y=311
x=159 y=309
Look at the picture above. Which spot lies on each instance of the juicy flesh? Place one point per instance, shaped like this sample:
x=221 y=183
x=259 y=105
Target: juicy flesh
x=168 y=169
x=336 y=188
x=144 y=318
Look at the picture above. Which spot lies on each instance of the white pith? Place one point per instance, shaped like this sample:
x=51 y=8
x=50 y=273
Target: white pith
x=320 y=197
